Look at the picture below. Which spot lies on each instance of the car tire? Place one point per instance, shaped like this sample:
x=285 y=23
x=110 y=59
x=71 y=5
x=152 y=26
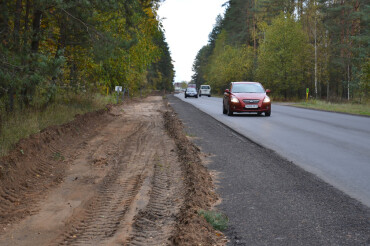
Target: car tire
x=268 y=113
x=196 y=96
x=229 y=112
x=200 y=95
x=224 y=111
x=209 y=95
x=185 y=96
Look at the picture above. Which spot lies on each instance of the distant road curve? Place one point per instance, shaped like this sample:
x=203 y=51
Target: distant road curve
x=333 y=146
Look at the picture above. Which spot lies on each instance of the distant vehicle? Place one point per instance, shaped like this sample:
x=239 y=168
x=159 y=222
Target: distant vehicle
x=246 y=97
x=205 y=90
x=192 y=86
x=191 y=92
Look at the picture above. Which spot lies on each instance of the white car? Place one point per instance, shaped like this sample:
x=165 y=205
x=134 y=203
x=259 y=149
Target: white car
x=191 y=92
x=205 y=90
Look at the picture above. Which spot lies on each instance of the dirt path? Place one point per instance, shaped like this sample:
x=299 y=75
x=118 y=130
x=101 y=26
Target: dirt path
x=120 y=184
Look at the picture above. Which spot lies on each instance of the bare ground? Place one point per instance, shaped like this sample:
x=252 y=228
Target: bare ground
x=126 y=175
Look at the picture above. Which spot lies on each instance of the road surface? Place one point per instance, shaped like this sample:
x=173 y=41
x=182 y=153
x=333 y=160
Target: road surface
x=333 y=146
x=269 y=200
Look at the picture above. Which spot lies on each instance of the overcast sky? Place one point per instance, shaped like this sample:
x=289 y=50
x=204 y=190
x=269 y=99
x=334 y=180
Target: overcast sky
x=187 y=24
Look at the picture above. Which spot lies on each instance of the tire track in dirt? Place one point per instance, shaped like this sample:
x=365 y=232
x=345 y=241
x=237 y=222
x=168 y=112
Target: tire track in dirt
x=107 y=218
x=127 y=183
x=12 y=196
x=37 y=164
x=155 y=224
x=104 y=211
x=102 y=221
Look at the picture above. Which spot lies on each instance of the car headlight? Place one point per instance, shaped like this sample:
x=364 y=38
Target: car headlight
x=266 y=100
x=234 y=100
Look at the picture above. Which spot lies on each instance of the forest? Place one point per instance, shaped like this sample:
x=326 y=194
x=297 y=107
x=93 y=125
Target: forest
x=288 y=46
x=53 y=48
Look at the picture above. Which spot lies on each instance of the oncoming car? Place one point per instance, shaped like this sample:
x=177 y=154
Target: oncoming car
x=205 y=90
x=246 y=97
x=191 y=92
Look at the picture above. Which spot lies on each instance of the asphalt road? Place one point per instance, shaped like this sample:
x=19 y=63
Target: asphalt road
x=270 y=200
x=335 y=147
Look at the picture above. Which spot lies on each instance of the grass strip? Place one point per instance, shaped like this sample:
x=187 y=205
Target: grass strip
x=349 y=108
x=23 y=123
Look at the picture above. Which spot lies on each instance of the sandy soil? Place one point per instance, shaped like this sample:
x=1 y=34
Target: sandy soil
x=126 y=175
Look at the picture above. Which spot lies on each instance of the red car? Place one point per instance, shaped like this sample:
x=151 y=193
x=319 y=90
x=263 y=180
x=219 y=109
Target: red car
x=246 y=97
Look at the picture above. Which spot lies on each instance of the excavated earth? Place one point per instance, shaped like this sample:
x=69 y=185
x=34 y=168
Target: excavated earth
x=126 y=175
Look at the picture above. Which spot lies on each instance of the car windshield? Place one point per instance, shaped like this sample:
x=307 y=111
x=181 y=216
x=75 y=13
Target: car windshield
x=247 y=88
x=205 y=87
x=191 y=90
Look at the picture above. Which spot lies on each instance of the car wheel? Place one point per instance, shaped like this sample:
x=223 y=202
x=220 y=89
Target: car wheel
x=200 y=95
x=229 y=112
x=209 y=95
x=196 y=96
x=268 y=113
x=185 y=96
x=224 y=111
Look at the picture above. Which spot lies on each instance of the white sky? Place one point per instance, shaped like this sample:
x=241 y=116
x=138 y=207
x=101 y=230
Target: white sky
x=187 y=24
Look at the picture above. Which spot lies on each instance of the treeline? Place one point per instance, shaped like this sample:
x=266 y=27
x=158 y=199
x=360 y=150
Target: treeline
x=48 y=47
x=290 y=45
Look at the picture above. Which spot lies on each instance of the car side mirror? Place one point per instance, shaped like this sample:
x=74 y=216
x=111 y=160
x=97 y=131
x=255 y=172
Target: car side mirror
x=227 y=91
x=268 y=91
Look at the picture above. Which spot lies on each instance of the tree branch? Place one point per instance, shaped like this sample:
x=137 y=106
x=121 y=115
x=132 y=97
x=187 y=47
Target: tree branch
x=87 y=26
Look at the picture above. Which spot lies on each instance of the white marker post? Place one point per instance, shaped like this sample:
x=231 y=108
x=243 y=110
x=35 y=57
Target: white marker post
x=118 y=89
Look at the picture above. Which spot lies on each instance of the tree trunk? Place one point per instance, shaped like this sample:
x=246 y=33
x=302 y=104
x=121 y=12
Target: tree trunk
x=343 y=27
x=63 y=33
x=254 y=27
x=248 y=29
x=11 y=99
x=343 y=44
x=327 y=91
x=300 y=8
x=349 y=78
x=36 y=30
x=26 y=19
x=25 y=32
x=17 y=24
x=315 y=33
x=4 y=22
x=356 y=23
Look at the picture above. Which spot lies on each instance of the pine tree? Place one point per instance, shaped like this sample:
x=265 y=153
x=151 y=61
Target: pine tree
x=347 y=24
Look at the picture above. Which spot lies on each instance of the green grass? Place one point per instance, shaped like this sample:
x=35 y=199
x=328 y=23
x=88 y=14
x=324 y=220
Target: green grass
x=22 y=123
x=58 y=156
x=218 y=220
x=350 y=108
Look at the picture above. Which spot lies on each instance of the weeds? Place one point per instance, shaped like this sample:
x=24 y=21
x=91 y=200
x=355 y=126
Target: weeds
x=58 y=156
x=218 y=220
x=190 y=135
